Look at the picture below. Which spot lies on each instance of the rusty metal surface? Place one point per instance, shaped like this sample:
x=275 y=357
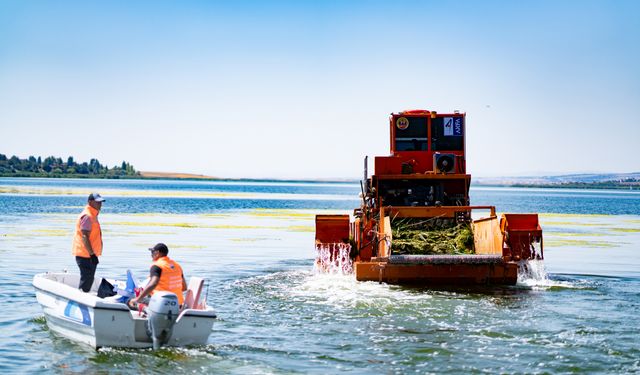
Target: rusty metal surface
x=438 y=274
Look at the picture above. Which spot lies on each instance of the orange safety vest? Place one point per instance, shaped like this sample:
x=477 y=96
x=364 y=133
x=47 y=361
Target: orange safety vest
x=170 y=278
x=95 y=237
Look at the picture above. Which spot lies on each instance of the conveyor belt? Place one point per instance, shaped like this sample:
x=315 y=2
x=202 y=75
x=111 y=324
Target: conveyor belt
x=446 y=259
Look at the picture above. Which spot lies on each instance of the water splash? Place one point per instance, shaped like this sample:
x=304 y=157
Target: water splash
x=532 y=272
x=536 y=248
x=333 y=258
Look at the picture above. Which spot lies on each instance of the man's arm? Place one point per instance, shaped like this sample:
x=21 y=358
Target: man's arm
x=184 y=284
x=86 y=242
x=153 y=283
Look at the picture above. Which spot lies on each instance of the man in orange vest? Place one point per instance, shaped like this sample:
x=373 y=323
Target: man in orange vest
x=87 y=242
x=165 y=275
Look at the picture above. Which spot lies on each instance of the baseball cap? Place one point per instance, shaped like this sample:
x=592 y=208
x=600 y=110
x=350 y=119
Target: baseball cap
x=96 y=197
x=160 y=247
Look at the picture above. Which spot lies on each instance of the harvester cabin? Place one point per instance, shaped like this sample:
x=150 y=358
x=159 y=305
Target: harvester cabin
x=427 y=162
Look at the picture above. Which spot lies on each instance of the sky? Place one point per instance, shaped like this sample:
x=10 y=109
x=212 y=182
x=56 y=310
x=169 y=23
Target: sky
x=304 y=89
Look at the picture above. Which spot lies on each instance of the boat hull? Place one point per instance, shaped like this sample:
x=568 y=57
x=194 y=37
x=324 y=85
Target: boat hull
x=97 y=322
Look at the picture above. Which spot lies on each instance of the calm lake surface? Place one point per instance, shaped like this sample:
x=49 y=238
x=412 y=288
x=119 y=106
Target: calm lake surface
x=253 y=242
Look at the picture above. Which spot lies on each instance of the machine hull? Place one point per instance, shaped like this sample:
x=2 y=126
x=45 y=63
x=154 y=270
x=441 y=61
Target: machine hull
x=461 y=273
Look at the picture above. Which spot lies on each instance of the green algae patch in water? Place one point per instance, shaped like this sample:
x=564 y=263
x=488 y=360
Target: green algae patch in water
x=301 y=228
x=229 y=226
x=626 y=230
x=146 y=232
x=551 y=234
x=284 y=214
x=572 y=223
x=38 y=320
x=52 y=232
x=174 y=246
x=249 y=239
x=158 y=224
x=580 y=243
x=545 y=215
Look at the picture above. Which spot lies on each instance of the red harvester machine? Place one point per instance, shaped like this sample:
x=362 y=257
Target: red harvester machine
x=424 y=184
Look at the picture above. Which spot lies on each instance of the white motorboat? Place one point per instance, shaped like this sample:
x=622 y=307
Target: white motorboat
x=106 y=322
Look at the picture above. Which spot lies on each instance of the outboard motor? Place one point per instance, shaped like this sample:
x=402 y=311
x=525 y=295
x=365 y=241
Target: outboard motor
x=162 y=313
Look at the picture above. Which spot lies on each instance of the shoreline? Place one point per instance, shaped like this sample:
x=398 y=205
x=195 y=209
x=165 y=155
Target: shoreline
x=176 y=175
x=187 y=177
x=152 y=175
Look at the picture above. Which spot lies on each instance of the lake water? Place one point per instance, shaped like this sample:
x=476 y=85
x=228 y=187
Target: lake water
x=253 y=242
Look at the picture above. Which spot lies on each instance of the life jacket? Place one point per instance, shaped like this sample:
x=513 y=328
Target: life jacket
x=170 y=278
x=95 y=237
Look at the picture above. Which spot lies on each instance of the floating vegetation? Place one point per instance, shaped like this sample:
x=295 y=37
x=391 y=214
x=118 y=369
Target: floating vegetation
x=281 y=213
x=430 y=236
x=174 y=246
x=145 y=233
x=158 y=224
x=626 y=230
x=38 y=319
x=229 y=226
x=52 y=232
x=566 y=223
x=580 y=243
x=301 y=228
x=574 y=234
x=249 y=239
x=209 y=226
x=572 y=215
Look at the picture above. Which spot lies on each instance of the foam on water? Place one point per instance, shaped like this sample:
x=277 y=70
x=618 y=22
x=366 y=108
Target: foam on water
x=533 y=274
x=344 y=292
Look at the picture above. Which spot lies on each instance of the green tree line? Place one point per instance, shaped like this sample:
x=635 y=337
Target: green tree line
x=52 y=166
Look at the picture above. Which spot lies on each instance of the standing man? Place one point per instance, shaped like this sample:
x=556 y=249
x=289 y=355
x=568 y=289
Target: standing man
x=165 y=275
x=87 y=242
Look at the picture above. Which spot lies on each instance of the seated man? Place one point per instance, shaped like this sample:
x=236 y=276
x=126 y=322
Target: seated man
x=164 y=275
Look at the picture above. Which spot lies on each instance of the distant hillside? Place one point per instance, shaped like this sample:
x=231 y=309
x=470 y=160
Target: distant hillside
x=147 y=174
x=584 y=181
x=52 y=166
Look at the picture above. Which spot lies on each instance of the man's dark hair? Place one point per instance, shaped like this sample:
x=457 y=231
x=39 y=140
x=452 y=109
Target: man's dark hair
x=161 y=248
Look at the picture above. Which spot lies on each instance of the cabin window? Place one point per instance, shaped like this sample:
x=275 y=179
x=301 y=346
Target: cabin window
x=411 y=133
x=447 y=134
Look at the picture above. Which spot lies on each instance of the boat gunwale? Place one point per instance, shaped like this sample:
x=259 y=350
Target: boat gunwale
x=99 y=303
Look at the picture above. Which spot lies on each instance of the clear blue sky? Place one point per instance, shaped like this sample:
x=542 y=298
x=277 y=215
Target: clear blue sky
x=303 y=89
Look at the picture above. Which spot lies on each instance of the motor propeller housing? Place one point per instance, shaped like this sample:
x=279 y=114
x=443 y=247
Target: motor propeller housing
x=162 y=313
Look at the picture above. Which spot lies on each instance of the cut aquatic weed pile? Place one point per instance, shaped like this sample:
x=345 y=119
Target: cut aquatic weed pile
x=431 y=236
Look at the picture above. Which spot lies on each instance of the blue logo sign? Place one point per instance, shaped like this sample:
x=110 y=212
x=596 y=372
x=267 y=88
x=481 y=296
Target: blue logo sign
x=452 y=126
x=78 y=312
x=457 y=126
